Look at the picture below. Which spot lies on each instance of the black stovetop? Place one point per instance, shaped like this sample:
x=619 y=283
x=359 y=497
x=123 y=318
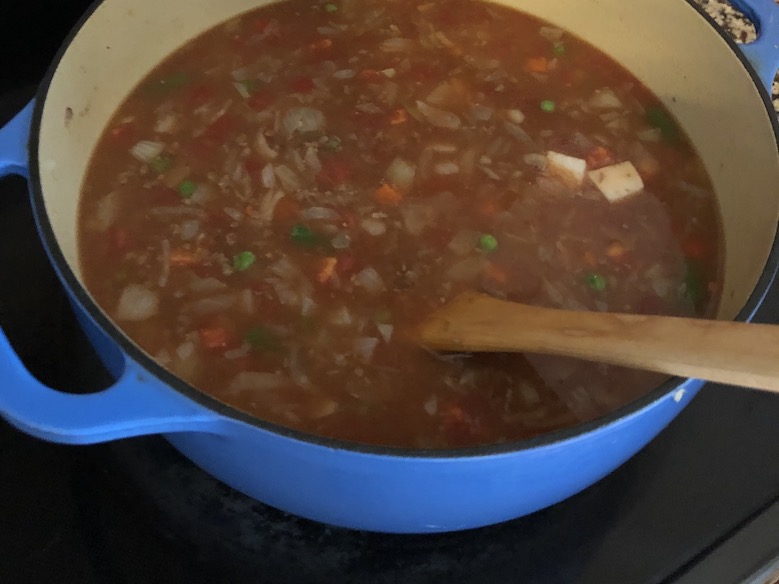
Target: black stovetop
x=699 y=500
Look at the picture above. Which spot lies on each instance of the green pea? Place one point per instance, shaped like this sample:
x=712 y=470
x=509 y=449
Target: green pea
x=559 y=49
x=488 y=242
x=187 y=188
x=548 y=106
x=330 y=8
x=160 y=164
x=596 y=282
x=261 y=337
x=243 y=261
x=333 y=144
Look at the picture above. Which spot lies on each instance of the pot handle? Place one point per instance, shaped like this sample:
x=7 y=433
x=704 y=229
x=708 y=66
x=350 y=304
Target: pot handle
x=134 y=405
x=764 y=52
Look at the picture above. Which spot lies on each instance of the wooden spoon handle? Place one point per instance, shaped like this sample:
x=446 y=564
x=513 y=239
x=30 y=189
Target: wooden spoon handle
x=722 y=351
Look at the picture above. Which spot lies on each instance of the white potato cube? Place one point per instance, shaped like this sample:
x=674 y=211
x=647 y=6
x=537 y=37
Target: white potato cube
x=571 y=170
x=617 y=182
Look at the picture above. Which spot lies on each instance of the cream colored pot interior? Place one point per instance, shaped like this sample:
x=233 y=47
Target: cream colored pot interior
x=665 y=43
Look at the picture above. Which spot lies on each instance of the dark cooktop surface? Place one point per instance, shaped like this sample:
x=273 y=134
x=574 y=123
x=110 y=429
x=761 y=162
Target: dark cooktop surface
x=137 y=512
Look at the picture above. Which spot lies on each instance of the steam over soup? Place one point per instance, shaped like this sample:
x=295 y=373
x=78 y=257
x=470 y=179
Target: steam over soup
x=280 y=197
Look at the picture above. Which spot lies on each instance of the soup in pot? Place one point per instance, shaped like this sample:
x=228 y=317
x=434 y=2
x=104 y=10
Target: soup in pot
x=271 y=206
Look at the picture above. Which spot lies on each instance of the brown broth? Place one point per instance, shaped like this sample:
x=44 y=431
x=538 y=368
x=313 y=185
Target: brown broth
x=243 y=222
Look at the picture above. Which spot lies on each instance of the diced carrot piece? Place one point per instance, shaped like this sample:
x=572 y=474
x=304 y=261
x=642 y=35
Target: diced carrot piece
x=616 y=251
x=183 y=258
x=388 y=195
x=496 y=273
x=536 y=65
x=370 y=75
x=600 y=157
x=399 y=117
x=326 y=269
x=489 y=208
x=214 y=338
x=322 y=44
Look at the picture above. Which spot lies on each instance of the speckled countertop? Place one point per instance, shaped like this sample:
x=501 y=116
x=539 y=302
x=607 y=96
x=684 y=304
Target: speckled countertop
x=740 y=27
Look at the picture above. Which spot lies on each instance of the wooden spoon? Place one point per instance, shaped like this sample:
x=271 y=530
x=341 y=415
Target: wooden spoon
x=735 y=353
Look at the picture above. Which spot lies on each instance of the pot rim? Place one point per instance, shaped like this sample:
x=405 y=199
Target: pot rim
x=175 y=383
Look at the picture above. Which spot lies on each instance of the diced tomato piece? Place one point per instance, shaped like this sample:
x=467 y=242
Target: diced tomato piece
x=694 y=248
x=252 y=164
x=218 y=131
x=215 y=337
x=600 y=157
x=371 y=76
x=322 y=44
x=347 y=264
x=287 y=209
x=199 y=153
x=200 y=94
x=326 y=269
x=260 y=100
x=120 y=239
x=259 y=24
x=123 y=134
x=422 y=72
x=397 y=117
x=162 y=195
x=302 y=84
x=335 y=172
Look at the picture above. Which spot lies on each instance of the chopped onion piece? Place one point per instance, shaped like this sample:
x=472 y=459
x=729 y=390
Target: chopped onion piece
x=650 y=135
x=438 y=117
x=385 y=330
x=241 y=89
x=401 y=173
x=166 y=124
x=374 y=227
x=212 y=304
x=370 y=280
x=341 y=317
x=365 y=347
x=397 y=45
x=344 y=74
x=551 y=34
x=482 y=113
x=262 y=148
x=464 y=241
x=312 y=159
x=538 y=161
x=604 y=99
x=189 y=229
x=246 y=301
x=319 y=214
x=431 y=405
x=137 y=303
x=515 y=116
x=307 y=307
x=268 y=205
x=233 y=213
x=267 y=176
x=146 y=150
x=107 y=211
x=342 y=240
x=303 y=120
x=446 y=168
x=165 y=263
x=418 y=216
x=185 y=350
x=201 y=195
x=288 y=178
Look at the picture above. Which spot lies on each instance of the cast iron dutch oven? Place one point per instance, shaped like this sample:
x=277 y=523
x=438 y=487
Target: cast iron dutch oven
x=715 y=89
